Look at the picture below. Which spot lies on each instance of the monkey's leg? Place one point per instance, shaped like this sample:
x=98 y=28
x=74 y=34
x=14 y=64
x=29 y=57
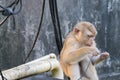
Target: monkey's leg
x=74 y=71
x=89 y=70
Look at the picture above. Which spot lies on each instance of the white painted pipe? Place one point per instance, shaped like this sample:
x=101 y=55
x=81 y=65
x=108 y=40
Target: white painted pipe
x=47 y=57
x=44 y=64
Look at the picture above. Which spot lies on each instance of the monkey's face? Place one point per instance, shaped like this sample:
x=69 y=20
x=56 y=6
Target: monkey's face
x=85 y=33
x=89 y=38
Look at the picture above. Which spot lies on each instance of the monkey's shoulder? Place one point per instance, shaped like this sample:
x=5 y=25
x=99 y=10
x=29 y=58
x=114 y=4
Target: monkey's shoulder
x=70 y=39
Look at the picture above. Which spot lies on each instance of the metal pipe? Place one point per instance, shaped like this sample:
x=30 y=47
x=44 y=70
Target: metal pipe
x=44 y=64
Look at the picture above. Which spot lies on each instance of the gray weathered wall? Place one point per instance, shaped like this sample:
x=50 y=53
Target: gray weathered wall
x=16 y=37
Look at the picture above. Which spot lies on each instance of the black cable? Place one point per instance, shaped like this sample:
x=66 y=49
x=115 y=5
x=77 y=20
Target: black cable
x=6 y=11
x=10 y=10
x=19 y=1
x=3 y=78
x=1 y=75
x=53 y=15
x=11 y=5
x=4 y=20
x=37 y=32
x=56 y=24
x=15 y=3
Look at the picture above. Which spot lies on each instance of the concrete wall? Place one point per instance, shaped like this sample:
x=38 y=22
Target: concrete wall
x=17 y=35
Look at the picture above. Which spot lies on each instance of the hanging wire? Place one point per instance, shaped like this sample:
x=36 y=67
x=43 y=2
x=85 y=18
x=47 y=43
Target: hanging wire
x=43 y=7
x=3 y=78
x=16 y=12
x=3 y=21
x=56 y=23
x=1 y=75
x=10 y=10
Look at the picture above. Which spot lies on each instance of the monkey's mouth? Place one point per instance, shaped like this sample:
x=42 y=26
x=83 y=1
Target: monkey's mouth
x=89 y=45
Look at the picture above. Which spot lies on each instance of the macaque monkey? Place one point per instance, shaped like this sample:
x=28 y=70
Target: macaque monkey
x=79 y=52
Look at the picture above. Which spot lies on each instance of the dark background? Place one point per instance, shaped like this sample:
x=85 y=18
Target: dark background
x=17 y=35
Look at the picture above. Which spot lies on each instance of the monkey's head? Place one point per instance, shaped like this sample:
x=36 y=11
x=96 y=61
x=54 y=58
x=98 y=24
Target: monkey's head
x=85 y=33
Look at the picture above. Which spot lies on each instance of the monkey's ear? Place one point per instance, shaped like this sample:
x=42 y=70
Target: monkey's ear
x=76 y=30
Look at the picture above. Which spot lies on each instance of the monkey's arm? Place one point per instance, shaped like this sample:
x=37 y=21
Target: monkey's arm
x=79 y=54
x=72 y=53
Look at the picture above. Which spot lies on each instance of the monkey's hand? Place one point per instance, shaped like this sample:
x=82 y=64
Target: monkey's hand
x=104 y=55
x=101 y=57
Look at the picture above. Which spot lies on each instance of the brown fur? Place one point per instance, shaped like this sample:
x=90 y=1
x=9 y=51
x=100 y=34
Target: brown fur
x=75 y=54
